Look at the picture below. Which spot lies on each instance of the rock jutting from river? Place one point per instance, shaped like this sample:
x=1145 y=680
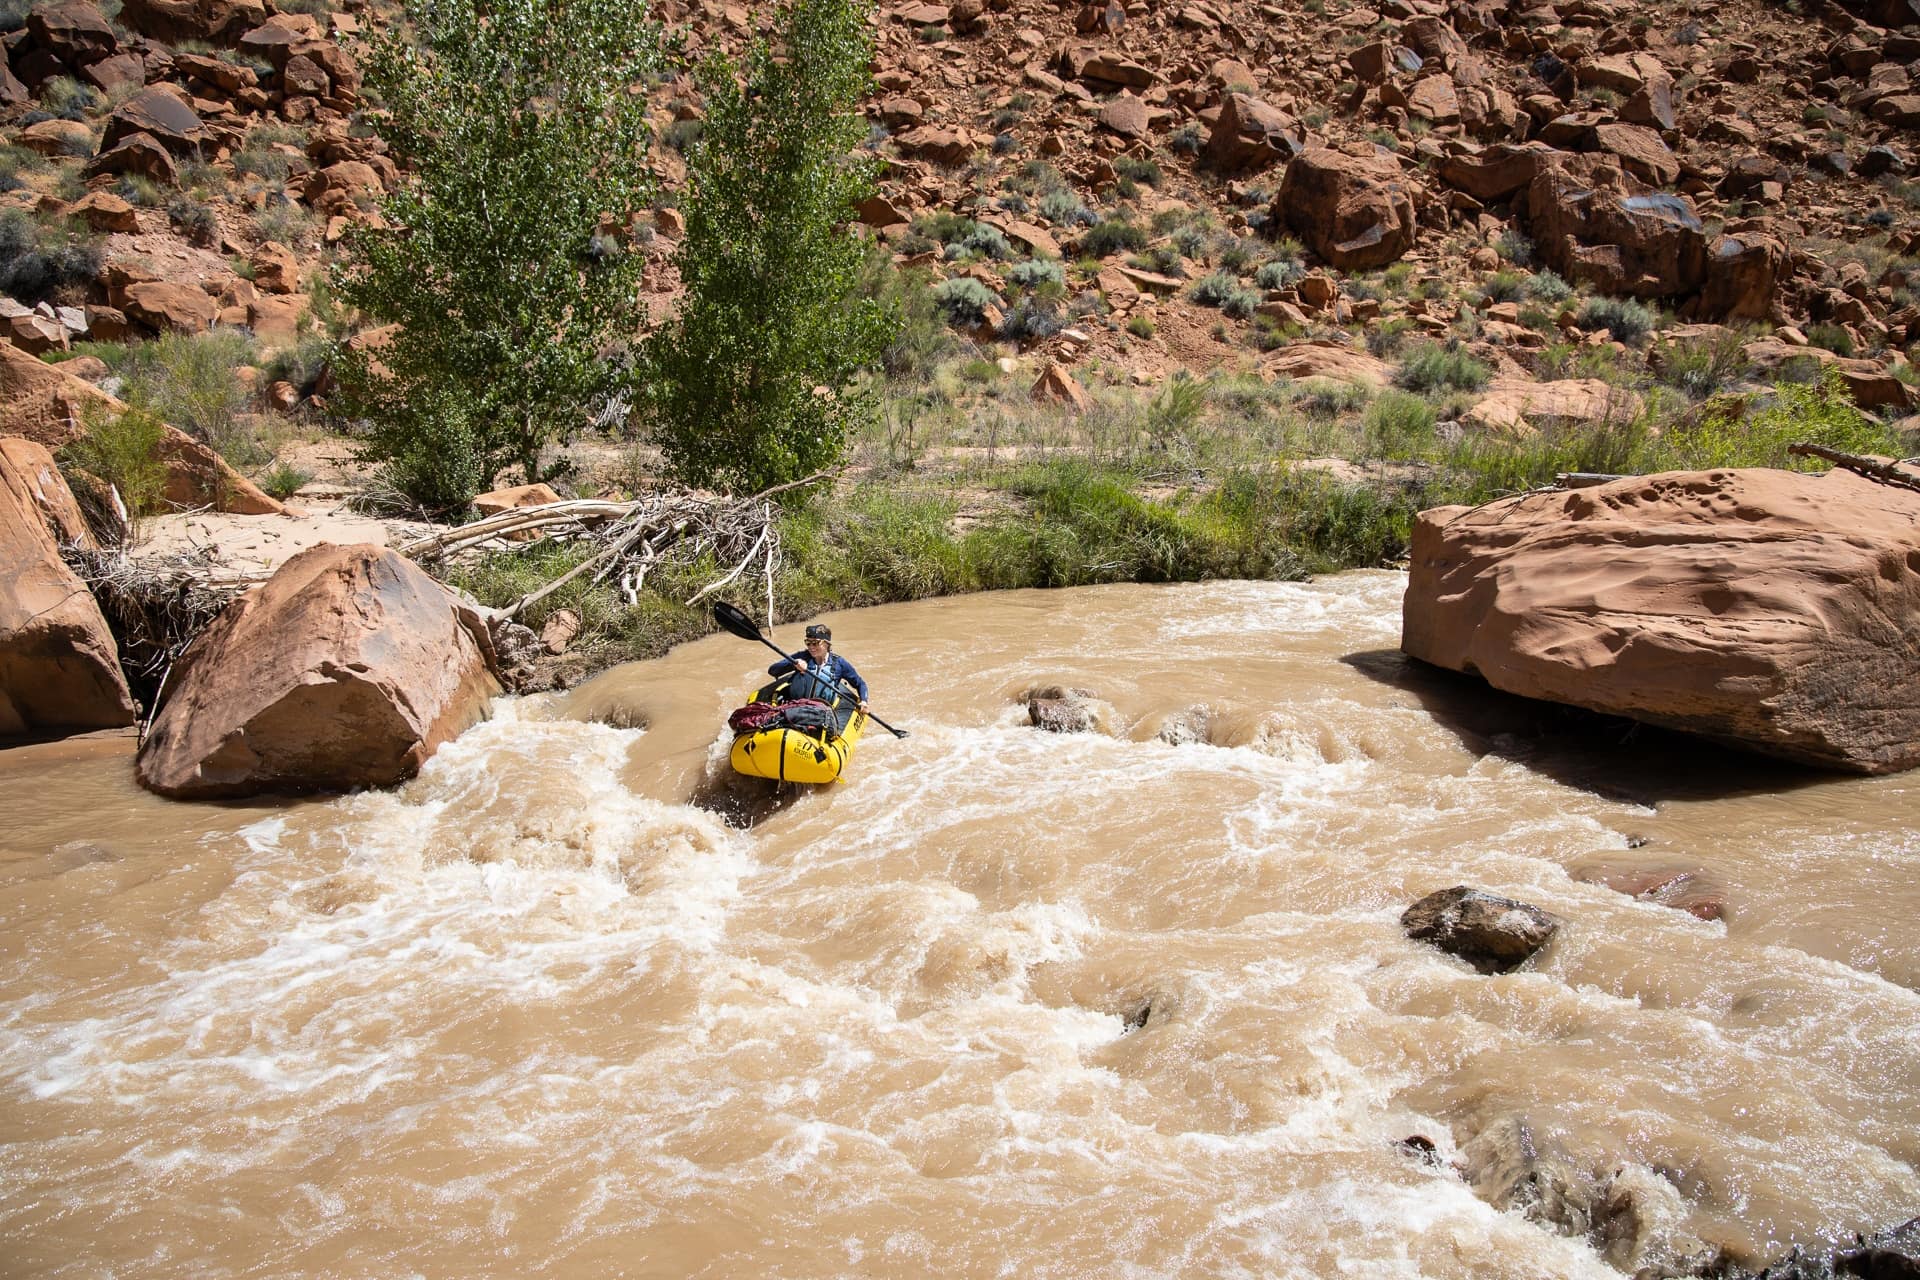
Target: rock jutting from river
x=1772 y=610
x=348 y=668
x=59 y=665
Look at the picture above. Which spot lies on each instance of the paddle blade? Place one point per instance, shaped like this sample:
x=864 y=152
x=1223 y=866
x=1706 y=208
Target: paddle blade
x=734 y=620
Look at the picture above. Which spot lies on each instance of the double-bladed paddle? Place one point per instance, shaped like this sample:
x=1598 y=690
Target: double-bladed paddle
x=740 y=624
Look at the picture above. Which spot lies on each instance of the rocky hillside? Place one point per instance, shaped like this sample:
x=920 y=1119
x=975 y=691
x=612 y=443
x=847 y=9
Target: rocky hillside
x=1296 y=188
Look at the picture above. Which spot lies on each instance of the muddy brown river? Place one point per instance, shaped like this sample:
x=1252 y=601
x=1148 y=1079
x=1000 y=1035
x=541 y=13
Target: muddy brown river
x=1005 y=1003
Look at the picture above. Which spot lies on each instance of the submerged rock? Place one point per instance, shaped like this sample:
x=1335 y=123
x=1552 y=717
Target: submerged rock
x=1772 y=610
x=1061 y=710
x=1491 y=933
x=1892 y=1254
x=348 y=668
x=1631 y=1216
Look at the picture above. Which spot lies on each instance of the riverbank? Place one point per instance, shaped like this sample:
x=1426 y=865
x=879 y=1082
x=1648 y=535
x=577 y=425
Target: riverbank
x=1229 y=477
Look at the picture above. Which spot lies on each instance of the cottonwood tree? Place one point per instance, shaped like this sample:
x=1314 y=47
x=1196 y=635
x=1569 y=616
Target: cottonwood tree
x=757 y=379
x=520 y=138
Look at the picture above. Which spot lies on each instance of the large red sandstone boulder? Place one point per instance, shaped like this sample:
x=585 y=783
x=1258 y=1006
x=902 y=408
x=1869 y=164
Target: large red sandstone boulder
x=217 y=21
x=1519 y=406
x=59 y=665
x=1251 y=134
x=73 y=31
x=1772 y=610
x=163 y=113
x=348 y=668
x=1355 y=212
x=1641 y=246
x=1744 y=274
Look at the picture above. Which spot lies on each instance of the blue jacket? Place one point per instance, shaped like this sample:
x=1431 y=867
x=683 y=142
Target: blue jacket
x=835 y=668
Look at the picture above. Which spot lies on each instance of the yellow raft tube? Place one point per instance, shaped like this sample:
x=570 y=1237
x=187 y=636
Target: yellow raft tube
x=796 y=755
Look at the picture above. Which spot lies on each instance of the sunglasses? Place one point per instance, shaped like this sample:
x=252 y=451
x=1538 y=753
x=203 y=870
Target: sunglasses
x=818 y=640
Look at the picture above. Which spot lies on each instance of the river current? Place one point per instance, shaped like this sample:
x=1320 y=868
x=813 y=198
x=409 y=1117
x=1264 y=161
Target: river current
x=1004 y=1003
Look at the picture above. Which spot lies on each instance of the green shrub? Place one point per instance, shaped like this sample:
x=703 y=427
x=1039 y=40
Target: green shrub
x=1386 y=338
x=1546 y=286
x=1237 y=254
x=1280 y=273
x=980 y=240
x=923 y=340
x=1034 y=316
x=283 y=480
x=193 y=219
x=1137 y=169
x=1830 y=337
x=1628 y=321
x=287 y=223
x=1110 y=236
x=122 y=449
x=1140 y=325
x=1327 y=398
x=1035 y=273
x=1224 y=291
x=1190 y=240
x=1064 y=209
x=39 y=262
x=963 y=300
x=1503 y=286
x=301 y=364
x=188 y=380
x=1431 y=367
x=1701 y=368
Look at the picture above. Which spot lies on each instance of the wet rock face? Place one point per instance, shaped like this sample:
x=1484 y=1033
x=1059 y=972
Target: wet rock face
x=1629 y=1214
x=1772 y=610
x=1061 y=710
x=1892 y=1254
x=348 y=668
x=1491 y=933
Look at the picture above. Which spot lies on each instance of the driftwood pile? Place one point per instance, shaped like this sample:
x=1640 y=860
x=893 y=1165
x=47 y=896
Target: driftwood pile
x=157 y=607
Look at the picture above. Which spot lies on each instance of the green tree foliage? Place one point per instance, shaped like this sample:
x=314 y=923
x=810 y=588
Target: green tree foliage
x=515 y=120
x=773 y=308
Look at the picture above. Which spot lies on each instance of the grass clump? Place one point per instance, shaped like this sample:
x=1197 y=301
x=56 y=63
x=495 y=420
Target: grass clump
x=1399 y=425
x=1701 y=368
x=1729 y=435
x=1433 y=367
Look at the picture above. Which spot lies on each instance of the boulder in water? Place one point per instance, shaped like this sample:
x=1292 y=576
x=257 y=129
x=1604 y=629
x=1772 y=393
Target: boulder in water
x=1632 y=1216
x=1061 y=710
x=348 y=668
x=1491 y=933
x=59 y=665
x=1772 y=610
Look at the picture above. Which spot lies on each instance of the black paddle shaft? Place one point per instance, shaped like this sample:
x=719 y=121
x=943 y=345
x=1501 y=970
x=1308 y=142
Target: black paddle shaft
x=736 y=621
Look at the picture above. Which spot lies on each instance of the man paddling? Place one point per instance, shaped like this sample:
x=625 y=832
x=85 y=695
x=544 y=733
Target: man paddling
x=828 y=668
